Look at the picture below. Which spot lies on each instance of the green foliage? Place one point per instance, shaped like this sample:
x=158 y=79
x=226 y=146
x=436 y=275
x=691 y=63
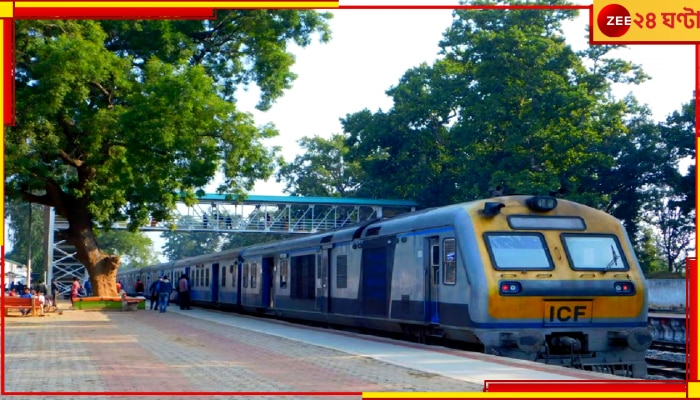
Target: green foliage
x=135 y=247
x=648 y=253
x=322 y=170
x=678 y=133
x=509 y=105
x=240 y=47
x=237 y=240
x=675 y=229
x=17 y=217
x=119 y=119
x=666 y=275
x=179 y=245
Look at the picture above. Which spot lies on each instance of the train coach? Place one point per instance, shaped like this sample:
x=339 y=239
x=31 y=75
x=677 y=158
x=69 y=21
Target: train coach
x=528 y=277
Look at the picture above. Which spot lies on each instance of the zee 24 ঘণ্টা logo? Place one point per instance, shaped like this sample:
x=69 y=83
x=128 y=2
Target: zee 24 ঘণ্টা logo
x=645 y=21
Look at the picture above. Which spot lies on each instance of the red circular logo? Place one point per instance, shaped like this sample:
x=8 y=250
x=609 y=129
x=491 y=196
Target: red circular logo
x=614 y=20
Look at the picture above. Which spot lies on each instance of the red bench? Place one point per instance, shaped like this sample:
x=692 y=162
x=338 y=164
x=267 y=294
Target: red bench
x=19 y=303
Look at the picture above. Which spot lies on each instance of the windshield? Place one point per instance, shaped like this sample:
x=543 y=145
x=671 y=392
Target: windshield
x=518 y=251
x=599 y=252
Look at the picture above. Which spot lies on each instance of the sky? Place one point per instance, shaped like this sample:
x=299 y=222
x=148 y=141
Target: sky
x=371 y=49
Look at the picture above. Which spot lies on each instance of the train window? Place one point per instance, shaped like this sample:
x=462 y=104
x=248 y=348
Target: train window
x=223 y=276
x=245 y=275
x=435 y=253
x=435 y=263
x=341 y=272
x=253 y=275
x=518 y=251
x=594 y=252
x=206 y=277
x=303 y=280
x=234 y=272
x=284 y=273
x=450 y=261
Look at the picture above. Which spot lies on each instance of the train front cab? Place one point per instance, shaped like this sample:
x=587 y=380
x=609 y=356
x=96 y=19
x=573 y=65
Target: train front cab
x=564 y=286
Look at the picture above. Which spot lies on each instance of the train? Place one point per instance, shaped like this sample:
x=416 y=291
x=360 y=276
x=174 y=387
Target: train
x=531 y=277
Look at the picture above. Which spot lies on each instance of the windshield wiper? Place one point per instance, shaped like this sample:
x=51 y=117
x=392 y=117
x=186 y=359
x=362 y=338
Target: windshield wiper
x=615 y=257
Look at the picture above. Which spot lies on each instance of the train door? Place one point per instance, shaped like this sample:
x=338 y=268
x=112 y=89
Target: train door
x=323 y=288
x=374 y=279
x=433 y=280
x=215 y=279
x=266 y=281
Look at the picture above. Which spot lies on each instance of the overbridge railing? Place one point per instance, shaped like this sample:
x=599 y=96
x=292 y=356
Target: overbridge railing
x=252 y=214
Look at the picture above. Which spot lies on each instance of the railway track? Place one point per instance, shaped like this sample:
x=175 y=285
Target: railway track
x=666 y=368
x=667 y=360
x=672 y=347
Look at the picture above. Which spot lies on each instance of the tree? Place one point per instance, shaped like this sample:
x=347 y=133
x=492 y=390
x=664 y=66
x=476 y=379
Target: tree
x=408 y=152
x=120 y=119
x=322 y=169
x=237 y=240
x=509 y=105
x=675 y=228
x=179 y=245
x=648 y=253
x=17 y=216
x=134 y=246
x=678 y=134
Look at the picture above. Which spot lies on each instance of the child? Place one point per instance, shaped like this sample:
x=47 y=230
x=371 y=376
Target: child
x=42 y=301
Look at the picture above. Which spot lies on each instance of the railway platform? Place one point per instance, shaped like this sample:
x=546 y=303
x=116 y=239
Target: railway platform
x=113 y=354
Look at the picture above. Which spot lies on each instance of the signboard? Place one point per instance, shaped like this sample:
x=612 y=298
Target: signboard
x=645 y=22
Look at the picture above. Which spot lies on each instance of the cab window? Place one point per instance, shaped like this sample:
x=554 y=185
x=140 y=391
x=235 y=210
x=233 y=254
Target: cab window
x=594 y=252
x=518 y=251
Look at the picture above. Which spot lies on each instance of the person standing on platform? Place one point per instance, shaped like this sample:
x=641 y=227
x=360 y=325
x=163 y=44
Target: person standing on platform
x=164 y=290
x=88 y=287
x=184 y=292
x=74 y=288
x=54 y=292
x=139 y=288
x=153 y=292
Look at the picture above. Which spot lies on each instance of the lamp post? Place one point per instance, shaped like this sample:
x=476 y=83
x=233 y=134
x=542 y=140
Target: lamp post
x=29 y=248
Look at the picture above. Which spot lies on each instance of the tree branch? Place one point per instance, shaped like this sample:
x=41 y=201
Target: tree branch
x=44 y=200
x=106 y=92
x=68 y=159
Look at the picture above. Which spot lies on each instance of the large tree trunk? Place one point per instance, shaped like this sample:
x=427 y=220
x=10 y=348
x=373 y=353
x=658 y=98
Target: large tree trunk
x=102 y=268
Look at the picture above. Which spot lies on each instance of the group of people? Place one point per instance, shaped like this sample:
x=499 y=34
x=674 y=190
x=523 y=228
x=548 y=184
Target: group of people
x=161 y=289
x=40 y=292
